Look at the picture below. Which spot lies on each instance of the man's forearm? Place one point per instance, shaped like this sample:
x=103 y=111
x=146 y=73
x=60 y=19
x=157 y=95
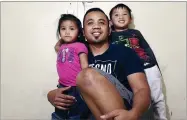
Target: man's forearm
x=51 y=96
x=141 y=101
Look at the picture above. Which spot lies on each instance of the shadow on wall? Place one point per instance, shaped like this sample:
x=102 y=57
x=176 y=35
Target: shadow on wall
x=132 y=25
x=162 y=69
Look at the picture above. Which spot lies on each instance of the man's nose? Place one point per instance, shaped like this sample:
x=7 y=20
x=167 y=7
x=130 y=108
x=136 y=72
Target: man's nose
x=96 y=26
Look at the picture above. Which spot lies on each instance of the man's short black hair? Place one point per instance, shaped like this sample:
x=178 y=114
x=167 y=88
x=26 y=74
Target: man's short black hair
x=95 y=10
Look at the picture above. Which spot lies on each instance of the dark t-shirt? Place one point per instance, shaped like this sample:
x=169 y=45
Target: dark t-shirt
x=133 y=39
x=119 y=61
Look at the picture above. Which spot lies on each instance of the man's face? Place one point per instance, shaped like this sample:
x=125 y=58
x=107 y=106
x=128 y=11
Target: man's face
x=96 y=28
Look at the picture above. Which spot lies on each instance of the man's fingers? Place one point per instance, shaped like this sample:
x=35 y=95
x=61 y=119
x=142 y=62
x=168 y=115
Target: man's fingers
x=61 y=100
x=68 y=97
x=65 y=88
x=62 y=104
x=68 y=101
x=110 y=115
x=62 y=108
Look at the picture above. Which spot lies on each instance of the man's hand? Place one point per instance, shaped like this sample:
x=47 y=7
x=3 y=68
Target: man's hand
x=62 y=101
x=120 y=114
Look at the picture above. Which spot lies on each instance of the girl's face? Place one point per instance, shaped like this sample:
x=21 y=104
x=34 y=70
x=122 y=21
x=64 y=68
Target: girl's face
x=69 y=31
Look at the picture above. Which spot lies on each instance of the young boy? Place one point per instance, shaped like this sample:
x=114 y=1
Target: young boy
x=120 y=16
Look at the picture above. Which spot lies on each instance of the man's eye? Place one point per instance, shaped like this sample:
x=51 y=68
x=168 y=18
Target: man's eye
x=90 y=23
x=102 y=23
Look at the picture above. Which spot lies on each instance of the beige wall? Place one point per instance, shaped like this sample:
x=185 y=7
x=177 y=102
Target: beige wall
x=28 y=60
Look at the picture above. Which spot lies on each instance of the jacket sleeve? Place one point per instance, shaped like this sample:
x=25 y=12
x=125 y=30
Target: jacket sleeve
x=143 y=43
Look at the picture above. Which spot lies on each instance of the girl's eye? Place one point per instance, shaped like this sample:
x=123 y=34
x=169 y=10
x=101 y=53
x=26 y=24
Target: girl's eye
x=72 y=29
x=116 y=15
x=63 y=28
x=124 y=14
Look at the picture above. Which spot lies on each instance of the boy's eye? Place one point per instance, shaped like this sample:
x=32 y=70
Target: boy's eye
x=116 y=15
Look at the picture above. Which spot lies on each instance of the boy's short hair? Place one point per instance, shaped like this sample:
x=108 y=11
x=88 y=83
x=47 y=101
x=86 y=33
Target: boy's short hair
x=95 y=10
x=120 y=5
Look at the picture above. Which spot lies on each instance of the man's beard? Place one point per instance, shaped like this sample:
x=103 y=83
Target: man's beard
x=97 y=41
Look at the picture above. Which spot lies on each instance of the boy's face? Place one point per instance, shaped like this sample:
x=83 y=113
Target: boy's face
x=96 y=27
x=120 y=19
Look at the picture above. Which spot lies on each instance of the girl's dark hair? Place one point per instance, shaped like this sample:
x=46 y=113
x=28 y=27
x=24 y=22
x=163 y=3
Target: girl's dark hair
x=71 y=17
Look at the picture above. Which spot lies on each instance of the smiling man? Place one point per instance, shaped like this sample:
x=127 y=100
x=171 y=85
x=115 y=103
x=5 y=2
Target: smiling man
x=121 y=91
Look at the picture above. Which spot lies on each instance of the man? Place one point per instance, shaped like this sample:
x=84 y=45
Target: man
x=119 y=90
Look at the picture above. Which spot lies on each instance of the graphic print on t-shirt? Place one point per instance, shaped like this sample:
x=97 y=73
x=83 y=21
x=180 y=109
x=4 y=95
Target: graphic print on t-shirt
x=132 y=42
x=66 y=54
x=107 y=66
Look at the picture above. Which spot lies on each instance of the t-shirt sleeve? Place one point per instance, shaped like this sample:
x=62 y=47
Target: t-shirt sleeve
x=81 y=48
x=133 y=63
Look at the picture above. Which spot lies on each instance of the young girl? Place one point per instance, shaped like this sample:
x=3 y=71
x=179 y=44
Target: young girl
x=71 y=59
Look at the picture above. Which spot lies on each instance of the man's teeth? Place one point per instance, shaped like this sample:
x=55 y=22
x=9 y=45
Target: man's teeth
x=96 y=33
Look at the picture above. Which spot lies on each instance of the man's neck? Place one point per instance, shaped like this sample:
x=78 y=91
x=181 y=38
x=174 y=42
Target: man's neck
x=98 y=49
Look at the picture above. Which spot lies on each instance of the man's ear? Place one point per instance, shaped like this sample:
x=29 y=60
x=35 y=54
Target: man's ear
x=83 y=34
x=110 y=27
x=110 y=23
x=109 y=31
x=83 y=31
